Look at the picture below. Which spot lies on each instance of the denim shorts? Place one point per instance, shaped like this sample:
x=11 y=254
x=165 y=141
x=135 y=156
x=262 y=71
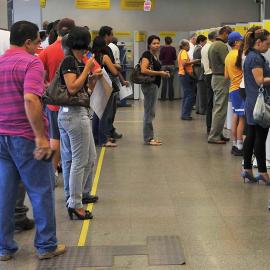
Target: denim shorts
x=53 y=124
x=238 y=103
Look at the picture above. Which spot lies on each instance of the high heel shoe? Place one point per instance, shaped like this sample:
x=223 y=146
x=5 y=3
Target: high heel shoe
x=246 y=175
x=87 y=215
x=260 y=177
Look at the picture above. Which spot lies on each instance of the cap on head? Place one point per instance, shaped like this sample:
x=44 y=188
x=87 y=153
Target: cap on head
x=235 y=36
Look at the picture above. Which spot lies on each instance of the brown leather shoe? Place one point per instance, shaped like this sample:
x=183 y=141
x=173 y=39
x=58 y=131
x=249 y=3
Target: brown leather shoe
x=217 y=142
x=4 y=258
x=48 y=255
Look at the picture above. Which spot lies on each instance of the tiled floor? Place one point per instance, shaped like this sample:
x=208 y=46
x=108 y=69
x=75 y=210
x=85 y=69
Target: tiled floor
x=186 y=188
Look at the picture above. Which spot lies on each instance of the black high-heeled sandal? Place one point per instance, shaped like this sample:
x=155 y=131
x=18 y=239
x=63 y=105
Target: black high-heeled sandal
x=87 y=215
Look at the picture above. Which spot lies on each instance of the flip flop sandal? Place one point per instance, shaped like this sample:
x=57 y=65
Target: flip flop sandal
x=153 y=143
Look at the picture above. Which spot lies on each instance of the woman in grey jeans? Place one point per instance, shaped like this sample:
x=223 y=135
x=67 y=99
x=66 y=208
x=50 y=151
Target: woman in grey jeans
x=78 y=151
x=151 y=66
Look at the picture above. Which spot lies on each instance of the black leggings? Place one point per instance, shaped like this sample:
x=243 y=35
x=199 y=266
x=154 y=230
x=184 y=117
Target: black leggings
x=255 y=142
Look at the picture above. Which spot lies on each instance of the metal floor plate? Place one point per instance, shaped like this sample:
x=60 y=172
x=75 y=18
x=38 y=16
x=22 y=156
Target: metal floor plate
x=161 y=250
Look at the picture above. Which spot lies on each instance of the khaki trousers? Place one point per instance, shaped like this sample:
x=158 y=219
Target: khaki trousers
x=220 y=87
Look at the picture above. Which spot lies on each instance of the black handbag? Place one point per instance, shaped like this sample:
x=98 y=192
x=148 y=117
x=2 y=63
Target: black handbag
x=58 y=94
x=138 y=77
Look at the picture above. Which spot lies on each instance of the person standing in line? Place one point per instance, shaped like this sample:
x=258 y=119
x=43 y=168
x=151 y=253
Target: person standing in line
x=233 y=71
x=201 y=98
x=22 y=222
x=186 y=80
x=100 y=126
x=77 y=142
x=151 y=66
x=167 y=58
x=106 y=32
x=256 y=74
x=192 y=44
x=24 y=145
x=208 y=78
x=51 y=58
x=217 y=54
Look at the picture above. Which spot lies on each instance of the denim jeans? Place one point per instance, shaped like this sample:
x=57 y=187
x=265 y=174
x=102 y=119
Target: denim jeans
x=189 y=94
x=78 y=152
x=20 y=209
x=150 y=92
x=18 y=164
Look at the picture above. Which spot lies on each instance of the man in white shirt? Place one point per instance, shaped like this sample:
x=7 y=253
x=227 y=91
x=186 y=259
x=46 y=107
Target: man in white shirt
x=208 y=77
x=192 y=43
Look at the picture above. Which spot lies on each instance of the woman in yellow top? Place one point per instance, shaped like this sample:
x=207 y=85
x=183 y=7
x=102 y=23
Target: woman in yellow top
x=186 y=80
x=233 y=71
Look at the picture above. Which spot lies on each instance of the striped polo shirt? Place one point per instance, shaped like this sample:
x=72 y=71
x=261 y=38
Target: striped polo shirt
x=20 y=73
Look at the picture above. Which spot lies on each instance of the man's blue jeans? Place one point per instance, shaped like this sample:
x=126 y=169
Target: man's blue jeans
x=189 y=95
x=17 y=163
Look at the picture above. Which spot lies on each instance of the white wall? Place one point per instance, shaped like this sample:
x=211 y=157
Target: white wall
x=3 y=14
x=175 y=15
x=27 y=10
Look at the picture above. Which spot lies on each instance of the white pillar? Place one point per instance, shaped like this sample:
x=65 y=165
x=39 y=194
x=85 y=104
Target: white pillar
x=28 y=10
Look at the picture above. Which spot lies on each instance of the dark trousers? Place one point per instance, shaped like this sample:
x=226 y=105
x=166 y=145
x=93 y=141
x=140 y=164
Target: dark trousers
x=255 y=142
x=210 y=96
x=167 y=84
x=103 y=128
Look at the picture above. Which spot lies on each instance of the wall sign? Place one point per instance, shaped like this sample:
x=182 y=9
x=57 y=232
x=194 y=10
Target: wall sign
x=42 y=3
x=135 y=4
x=122 y=34
x=140 y=36
x=167 y=34
x=241 y=28
x=93 y=4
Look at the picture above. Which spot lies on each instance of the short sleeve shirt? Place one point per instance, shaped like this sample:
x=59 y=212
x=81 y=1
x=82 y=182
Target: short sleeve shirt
x=21 y=73
x=156 y=66
x=253 y=60
x=183 y=56
x=51 y=58
x=71 y=65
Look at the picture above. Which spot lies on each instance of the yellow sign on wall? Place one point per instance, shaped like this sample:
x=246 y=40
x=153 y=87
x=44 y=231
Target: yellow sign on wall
x=135 y=4
x=266 y=25
x=167 y=34
x=122 y=34
x=93 y=4
x=140 y=36
x=42 y=3
x=241 y=28
x=253 y=24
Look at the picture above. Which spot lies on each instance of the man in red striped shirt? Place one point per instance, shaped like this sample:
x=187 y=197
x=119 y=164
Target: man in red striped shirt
x=24 y=146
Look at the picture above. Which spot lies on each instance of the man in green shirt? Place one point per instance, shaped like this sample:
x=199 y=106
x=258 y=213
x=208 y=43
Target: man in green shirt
x=217 y=54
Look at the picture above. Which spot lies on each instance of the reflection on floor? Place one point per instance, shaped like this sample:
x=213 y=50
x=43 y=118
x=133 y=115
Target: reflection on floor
x=186 y=188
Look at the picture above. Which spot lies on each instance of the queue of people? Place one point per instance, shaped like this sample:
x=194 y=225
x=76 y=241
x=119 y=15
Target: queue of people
x=29 y=161
x=34 y=142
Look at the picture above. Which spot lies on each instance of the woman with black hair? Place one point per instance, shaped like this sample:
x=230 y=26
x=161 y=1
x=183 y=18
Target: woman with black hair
x=78 y=151
x=101 y=126
x=256 y=74
x=151 y=66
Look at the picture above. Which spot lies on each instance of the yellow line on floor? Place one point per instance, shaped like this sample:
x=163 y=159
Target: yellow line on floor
x=86 y=223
